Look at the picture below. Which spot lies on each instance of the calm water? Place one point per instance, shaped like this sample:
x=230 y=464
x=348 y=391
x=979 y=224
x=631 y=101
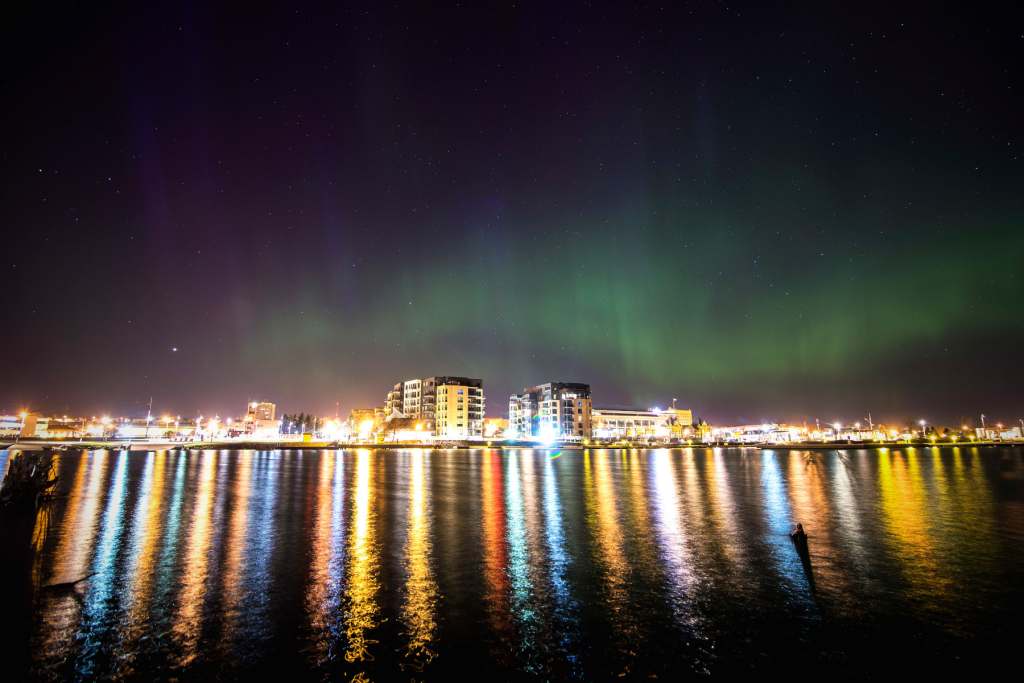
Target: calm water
x=414 y=564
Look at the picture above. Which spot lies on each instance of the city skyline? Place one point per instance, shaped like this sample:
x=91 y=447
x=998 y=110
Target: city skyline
x=500 y=409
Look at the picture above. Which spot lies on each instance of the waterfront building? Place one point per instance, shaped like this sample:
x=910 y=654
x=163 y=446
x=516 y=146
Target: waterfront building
x=412 y=392
x=458 y=408
x=138 y=428
x=555 y=411
x=263 y=410
x=854 y=432
x=446 y=407
x=34 y=426
x=759 y=434
x=64 y=428
x=998 y=433
x=10 y=425
x=644 y=425
x=393 y=403
x=260 y=420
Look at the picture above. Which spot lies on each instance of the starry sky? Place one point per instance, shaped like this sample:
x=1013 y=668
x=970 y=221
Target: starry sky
x=778 y=212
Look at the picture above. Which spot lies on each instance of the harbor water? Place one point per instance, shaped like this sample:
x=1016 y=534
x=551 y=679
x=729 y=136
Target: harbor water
x=510 y=564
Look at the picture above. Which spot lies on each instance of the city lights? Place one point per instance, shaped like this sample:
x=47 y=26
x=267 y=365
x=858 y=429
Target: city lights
x=548 y=415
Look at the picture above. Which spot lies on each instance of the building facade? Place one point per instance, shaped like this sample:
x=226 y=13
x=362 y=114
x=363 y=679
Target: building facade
x=412 y=393
x=644 y=425
x=458 y=409
x=260 y=419
x=393 y=404
x=446 y=407
x=263 y=410
x=555 y=411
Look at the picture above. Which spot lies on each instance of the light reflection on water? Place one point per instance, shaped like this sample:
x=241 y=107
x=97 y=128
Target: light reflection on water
x=188 y=620
x=367 y=564
x=418 y=608
x=362 y=611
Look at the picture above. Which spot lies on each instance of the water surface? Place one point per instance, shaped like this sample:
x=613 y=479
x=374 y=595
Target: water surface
x=575 y=564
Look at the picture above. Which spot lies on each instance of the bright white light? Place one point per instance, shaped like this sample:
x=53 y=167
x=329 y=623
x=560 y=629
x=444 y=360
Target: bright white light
x=548 y=435
x=331 y=429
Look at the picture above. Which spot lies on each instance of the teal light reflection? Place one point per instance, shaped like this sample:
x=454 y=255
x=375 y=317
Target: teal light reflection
x=565 y=611
x=100 y=598
x=522 y=607
x=779 y=522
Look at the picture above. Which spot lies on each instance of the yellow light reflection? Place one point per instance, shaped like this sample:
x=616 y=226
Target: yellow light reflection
x=635 y=469
x=363 y=579
x=418 y=609
x=234 y=568
x=905 y=513
x=78 y=532
x=42 y=527
x=146 y=532
x=187 y=625
x=723 y=507
x=605 y=528
x=60 y=614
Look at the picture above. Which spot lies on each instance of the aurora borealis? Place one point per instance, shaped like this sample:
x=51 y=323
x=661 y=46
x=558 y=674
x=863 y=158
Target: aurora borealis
x=767 y=213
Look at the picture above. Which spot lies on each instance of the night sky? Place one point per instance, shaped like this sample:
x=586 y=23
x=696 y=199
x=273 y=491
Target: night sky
x=769 y=213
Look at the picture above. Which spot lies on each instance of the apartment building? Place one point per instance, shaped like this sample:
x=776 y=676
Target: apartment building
x=555 y=411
